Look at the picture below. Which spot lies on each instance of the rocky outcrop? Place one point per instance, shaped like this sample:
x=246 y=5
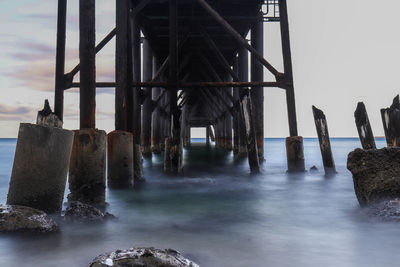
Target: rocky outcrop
x=149 y=257
x=15 y=218
x=80 y=212
x=376 y=174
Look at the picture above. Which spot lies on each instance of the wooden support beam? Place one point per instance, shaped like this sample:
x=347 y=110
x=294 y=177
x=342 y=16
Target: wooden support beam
x=156 y=119
x=243 y=73
x=235 y=99
x=87 y=56
x=394 y=122
x=60 y=59
x=387 y=118
x=324 y=142
x=257 y=75
x=385 y=121
x=364 y=127
x=242 y=41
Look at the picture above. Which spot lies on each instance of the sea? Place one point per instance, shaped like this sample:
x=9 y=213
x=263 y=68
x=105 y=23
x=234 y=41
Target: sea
x=219 y=215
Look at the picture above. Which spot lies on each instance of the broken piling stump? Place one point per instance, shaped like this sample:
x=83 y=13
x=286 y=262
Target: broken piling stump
x=46 y=117
x=87 y=172
x=364 y=127
x=295 y=154
x=385 y=122
x=40 y=167
x=394 y=122
x=324 y=142
x=120 y=159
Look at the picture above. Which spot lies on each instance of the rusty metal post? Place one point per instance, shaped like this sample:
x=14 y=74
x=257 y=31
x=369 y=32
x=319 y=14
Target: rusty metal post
x=243 y=76
x=147 y=104
x=236 y=114
x=60 y=59
x=257 y=75
x=87 y=56
x=121 y=65
x=324 y=142
x=364 y=127
x=137 y=112
x=173 y=155
x=294 y=145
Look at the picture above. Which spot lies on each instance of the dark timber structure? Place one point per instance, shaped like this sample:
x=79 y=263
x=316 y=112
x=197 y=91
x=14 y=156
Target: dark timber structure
x=195 y=74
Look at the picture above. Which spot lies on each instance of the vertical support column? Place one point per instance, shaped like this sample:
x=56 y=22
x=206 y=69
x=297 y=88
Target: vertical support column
x=147 y=105
x=243 y=74
x=137 y=112
x=87 y=56
x=294 y=143
x=173 y=150
x=60 y=59
x=236 y=116
x=120 y=142
x=228 y=125
x=156 y=120
x=257 y=75
x=364 y=127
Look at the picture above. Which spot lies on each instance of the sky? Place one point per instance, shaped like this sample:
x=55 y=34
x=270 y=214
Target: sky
x=343 y=52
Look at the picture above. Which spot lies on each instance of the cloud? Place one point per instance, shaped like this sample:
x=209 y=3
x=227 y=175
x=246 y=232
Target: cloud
x=16 y=113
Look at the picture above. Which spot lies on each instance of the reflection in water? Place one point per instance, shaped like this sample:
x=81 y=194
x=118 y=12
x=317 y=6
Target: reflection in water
x=219 y=215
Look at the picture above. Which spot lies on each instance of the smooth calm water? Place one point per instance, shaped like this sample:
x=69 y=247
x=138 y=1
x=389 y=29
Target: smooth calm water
x=220 y=216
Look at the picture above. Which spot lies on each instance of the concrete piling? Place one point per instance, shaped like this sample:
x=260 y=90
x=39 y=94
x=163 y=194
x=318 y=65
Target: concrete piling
x=120 y=172
x=40 y=167
x=87 y=172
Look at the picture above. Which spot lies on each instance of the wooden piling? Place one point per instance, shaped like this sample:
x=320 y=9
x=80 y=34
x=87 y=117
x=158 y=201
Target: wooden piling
x=324 y=142
x=236 y=115
x=60 y=59
x=208 y=129
x=364 y=127
x=243 y=71
x=257 y=75
x=252 y=152
x=385 y=121
x=394 y=122
x=87 y=56
x=295 y=154
x=228 y=125
x=147 y=104
x=156 y=120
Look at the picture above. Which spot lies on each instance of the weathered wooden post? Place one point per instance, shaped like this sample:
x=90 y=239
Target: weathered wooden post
x=294 y=143
x=385 y=121
x=324 y=142
x=252 y=152
x=120 y=142
x=394 y=122
x=257 y=75
x=87 y=172
x=137 y=101
x=364 y=127
x=228 y=125
x=147 y=105
x=391 y=122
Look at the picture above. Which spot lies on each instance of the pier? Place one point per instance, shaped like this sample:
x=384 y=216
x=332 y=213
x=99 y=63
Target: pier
x=195 y=74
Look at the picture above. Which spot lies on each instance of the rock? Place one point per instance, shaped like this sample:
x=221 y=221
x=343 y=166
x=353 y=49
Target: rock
x=15 y=218
x=149 y=257
x=387 y=210
x=376 y=174
x=313 y=169
x=78 y=211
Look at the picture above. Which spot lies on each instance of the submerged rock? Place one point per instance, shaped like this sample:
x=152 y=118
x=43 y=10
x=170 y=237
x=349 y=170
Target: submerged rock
x=376 y=174
x=387 y=210
x=313 y=169
x=149 y=257
x=15 y=218
x=78 y=211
